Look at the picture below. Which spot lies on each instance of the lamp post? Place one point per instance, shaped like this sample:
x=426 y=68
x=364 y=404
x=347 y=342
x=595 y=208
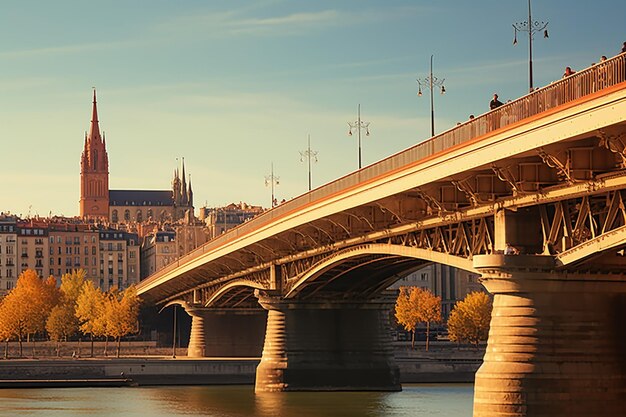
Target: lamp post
x=174 y=335
x=271 y=181
x=531 y=27
x=358 y=125
x=309 y=154
x=431 y=82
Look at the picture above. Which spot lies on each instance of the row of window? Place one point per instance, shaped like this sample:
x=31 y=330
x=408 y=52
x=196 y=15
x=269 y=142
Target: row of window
x=69 y=240
x=32 y=232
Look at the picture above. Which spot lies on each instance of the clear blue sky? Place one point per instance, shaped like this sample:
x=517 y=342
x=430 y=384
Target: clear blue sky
x=234 y=85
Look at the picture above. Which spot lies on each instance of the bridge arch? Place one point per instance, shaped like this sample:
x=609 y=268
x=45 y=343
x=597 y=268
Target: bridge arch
x=386 y=252
x=243 y=284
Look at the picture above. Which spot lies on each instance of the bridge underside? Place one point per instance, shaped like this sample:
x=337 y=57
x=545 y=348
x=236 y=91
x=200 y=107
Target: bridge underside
x=552 y=185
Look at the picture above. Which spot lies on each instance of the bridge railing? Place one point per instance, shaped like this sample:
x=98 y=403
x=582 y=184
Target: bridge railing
x=583 y=83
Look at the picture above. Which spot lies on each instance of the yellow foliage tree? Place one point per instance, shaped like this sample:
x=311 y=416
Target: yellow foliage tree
x=429 y=311
x=121 y=312
x=416 y=305
x=27 y=307
x=90 y=311
x=62 y=322
x=469 y=320
x=7 y=330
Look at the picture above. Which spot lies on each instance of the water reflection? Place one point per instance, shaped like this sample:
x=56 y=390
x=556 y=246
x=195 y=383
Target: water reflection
x=236 y=401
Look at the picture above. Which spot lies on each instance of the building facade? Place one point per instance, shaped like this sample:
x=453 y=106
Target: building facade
x=221 y=219
x=8 y=252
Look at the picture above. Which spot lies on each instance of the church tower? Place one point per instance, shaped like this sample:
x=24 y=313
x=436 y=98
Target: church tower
x=94 y=171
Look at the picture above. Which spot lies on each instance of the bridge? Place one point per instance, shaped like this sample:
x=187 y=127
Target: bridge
x=544 y=173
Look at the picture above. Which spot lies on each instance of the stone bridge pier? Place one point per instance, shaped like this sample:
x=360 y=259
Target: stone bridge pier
x=324 y=345
x=557 y=342
x=226 y=332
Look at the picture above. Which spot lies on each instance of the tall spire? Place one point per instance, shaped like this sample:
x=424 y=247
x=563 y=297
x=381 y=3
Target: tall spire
x=185 y=199
x=94 y=171
x=190 y=193
x=94 y=128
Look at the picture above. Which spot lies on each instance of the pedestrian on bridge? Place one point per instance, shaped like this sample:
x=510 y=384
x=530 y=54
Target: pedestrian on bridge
x=495 y=103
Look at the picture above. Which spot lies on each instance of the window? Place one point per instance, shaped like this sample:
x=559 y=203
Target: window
x=139 y=216
x=127 y=215
x=93 y=250
x=119 y=246
x=114 y=216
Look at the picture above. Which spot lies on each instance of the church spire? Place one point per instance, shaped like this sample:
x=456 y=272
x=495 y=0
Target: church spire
x=190 y=193
x=185 y=198
x=94 y=128
x=94 y=171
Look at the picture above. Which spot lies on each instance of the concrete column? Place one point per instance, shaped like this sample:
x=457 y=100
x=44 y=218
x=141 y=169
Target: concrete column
x=326 y=346
x=226 y=332
x=557 y=344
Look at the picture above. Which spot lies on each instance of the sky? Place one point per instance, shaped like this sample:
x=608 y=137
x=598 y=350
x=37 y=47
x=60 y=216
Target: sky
x=236 y=86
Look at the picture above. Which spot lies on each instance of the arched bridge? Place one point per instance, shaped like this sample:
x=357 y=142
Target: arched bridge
x=544 y=173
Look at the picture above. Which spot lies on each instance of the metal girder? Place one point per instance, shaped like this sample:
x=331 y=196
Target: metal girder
x=562 y=167
x=504 y=174
x=466 y=188
x=615 y=143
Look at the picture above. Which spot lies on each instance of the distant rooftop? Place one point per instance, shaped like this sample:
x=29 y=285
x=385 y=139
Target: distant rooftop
x=141 y=198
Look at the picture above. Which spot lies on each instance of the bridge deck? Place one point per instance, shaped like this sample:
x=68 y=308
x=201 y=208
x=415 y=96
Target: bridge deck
x=549 y=104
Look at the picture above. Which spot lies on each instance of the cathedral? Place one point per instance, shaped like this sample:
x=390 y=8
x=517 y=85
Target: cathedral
x=98 y=202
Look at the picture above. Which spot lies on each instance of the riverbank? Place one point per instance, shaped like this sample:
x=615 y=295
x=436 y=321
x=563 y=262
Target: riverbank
x=443 y=363
x=27 y=373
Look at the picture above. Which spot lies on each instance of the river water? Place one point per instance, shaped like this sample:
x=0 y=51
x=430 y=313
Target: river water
x=445 y=400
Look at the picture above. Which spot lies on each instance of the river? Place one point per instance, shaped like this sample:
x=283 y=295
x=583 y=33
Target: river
x=445 y=400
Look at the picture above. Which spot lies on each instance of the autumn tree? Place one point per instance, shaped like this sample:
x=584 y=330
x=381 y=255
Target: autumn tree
x=62 y=322
x=416 y=305
x=121 y=312
x=7 y=331
x=406 y=312
x=469 y=320
x=429 y=307
x=90 y=310
x=27 y=306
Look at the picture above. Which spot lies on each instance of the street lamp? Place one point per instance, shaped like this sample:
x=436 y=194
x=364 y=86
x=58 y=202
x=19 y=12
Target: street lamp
x=271 y=181
x=174 y=335
x=430 y=82
x=358 y=125
x=309 y=154
x=531 y=27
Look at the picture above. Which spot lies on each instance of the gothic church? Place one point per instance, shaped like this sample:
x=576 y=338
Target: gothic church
x=98 y=202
